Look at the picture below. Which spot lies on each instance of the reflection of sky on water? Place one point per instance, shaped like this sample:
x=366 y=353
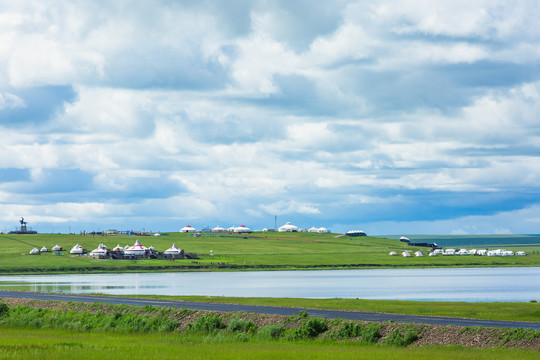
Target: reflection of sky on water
x=463 y=284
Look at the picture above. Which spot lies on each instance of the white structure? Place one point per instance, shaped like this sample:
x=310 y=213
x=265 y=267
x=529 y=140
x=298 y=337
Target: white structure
x=323 y=230
x=418 y=253
x=174 y=250
x=438 y=251
x=462 y=252
x=313 y=229
x=449 y=252
x=392 y=253
x=356 y=233
x=44 y=249
x=265 y=230
x=242 y=229
x=520 y=253
x=137 y=249
x=406 y=254
x=34 y=251
x=403 y=238
x=57 y=248
x=472 y=252
x=118 y=249
x=288 y=227
x=218 y=229
x=482 y=252
x=433 y=254
x=157 y=234
x=188 y=229
x=76 y=250
x=101 y=250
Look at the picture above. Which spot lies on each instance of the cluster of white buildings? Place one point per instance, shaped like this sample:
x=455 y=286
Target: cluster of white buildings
x=452 y=252
x=288 y=227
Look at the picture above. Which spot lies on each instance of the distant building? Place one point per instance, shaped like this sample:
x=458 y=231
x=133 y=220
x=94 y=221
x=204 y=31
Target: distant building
x=288 y=227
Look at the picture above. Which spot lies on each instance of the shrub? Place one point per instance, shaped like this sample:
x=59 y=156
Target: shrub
x=368 y=334
x=272 y=331
x=4 y=309
x=399 y=338
x=310 y=329
x=208 y=323
x=239 y=325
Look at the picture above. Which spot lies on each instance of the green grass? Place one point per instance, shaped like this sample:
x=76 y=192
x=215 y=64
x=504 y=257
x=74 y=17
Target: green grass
x=23 y=343
x=268 y=251
x=510 y=311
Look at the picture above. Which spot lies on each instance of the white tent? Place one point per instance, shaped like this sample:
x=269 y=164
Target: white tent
x=34 y=251
x=520 y=253
x=406 y=254
x=356 y=233
x=44 y=249
x=418 y=253
x=76 y=250
x=462 y=252
x=174 y=250
x=187 y=229
x=57 y=248
x=265 y=230
x=288 y=227
x=242 y=229
x=157 y=234
x=392 y=253
x=403 y=238
x=136 y=249
x=433 y=254
x=218 y=229
x=323 y=230
x=118 y=249
x=101 y=250
x=313 y=229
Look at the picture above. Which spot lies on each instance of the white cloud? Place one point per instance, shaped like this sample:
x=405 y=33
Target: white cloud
x=10 y=101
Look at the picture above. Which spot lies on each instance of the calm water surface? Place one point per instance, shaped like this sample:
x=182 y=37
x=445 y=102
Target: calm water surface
x=462 y=284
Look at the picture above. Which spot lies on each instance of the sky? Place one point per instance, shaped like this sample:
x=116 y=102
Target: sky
x=391 y=116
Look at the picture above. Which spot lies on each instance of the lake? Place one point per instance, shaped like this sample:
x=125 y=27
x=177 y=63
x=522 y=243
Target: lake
x=514 y=284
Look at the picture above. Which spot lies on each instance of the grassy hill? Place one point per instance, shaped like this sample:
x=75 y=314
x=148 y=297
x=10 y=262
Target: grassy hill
x=257 y=251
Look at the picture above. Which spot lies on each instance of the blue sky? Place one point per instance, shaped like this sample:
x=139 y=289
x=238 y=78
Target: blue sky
x=394 y=117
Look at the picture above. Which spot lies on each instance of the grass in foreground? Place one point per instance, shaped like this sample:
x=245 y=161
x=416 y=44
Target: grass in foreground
x=22 y=343
x=507 y=311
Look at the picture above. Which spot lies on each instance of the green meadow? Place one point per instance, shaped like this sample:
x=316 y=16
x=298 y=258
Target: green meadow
x=258 y=251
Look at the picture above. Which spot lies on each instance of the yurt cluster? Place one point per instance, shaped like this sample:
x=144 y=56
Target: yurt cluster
x=461 y=252
x=242 y=229
x=137 y=251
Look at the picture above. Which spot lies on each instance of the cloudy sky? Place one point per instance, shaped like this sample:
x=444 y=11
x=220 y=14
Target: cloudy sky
x=394 y=117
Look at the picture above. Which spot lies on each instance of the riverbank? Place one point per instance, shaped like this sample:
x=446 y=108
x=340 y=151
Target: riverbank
x=260 y=251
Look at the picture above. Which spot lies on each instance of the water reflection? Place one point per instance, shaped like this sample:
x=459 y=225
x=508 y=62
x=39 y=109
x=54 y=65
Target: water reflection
x=463 y=284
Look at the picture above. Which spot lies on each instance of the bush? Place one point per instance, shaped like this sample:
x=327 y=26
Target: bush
x=368 y=334
x=272 y=331
x=208 y=323
x=310 y=329
x=4 y=309
x=239 y=325
x=399 y=338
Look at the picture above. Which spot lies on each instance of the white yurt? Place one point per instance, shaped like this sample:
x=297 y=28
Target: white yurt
x=137 y=249
x=118 y=249
x=218 y=229
x=520 y=253
x=44 y=249
x=34 y=251
x=157 y=234
x=404 y=239
x=392 y=253
x=313 y=229
x=438 y=251
x=265 y=230
x=433 y=254
x=406 y=254
x=242 y=229
x=101 y=250
x=187 y=229
x=462 y=252
x=76 y=250
x=323 y=230
x=57 y=248
x=174 y=250
x=288 y=227
x=419 y=254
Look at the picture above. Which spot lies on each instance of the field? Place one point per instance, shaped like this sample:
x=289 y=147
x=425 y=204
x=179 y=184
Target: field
x=260 y=251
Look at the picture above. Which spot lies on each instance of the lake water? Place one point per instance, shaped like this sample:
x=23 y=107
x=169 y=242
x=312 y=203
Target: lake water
x=461 y=284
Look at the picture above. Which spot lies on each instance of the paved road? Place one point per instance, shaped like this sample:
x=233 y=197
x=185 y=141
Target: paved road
x=328 y=314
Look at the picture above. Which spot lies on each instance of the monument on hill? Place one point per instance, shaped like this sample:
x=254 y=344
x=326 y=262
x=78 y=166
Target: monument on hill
x=24 y=229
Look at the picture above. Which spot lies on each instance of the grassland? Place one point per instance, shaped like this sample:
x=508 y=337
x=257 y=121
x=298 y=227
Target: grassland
x=264 y=251
x=510 y=311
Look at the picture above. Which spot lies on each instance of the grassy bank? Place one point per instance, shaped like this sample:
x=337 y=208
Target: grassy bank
x=17 y=343
x=273 y=251
x=54 y=329
x=487 y=311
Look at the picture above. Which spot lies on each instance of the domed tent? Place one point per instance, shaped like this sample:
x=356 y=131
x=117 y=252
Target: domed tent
x=392 y=253
x=404 y=239
x=174 y=250
x=218 y=229
x=118 y=249
x=137 y=249
x=76 y=250
x=288 y=227
x=100 y=251
x=323 y=230
x=313 y=229
x=34 y=251
x=44 y=249
x=355 y=233
x=188 y=229
x=57 y=248
x=242 y=229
